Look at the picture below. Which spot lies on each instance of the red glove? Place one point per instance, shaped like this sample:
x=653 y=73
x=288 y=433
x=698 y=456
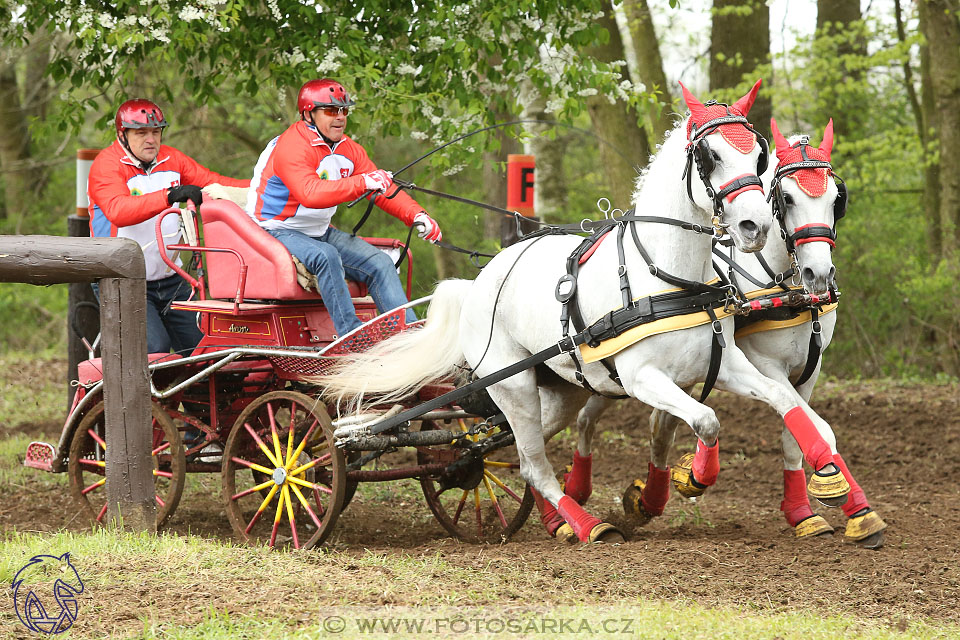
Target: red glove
x=429 y=229
x=378 y=180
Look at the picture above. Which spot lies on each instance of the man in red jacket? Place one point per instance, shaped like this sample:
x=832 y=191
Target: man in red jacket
x=299 y=180
x=130 y=183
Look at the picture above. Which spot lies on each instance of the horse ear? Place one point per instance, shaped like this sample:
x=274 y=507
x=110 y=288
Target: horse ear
x=827 y=144
x=696 y=107
x=744 y=103
x=781 y=143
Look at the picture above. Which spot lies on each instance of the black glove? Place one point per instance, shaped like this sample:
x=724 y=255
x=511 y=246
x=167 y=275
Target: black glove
x=185 y=192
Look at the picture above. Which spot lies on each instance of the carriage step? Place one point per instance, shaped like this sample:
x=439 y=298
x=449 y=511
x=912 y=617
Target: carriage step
x=40 y=455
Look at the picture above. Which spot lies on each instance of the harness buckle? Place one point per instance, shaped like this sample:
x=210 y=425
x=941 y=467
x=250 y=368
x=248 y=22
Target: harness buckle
x=717 y=327
x=567 y=344
x=816 y=327
x=622 y=270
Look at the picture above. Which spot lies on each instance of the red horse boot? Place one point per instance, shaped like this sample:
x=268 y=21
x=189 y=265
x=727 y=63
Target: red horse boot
x=864 y=526
x=827 y=484
x=552 y=520
x=796 y=507
x=645 y=500
x=587 y=527
x=578 y=481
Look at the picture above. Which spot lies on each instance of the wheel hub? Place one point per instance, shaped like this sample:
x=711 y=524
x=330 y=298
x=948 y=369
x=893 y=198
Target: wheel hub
x=279 y=476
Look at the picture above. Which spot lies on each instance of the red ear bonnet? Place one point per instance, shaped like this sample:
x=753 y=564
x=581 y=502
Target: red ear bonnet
x=739 y=137
x=812 y=182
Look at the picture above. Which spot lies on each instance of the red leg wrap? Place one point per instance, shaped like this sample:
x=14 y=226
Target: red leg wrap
x=856 y=499
x=581 y=521
x=815 y=449
x=796 y=504
x=578 y=484
x=706 y=463
x=548 y=513
x=657 y=491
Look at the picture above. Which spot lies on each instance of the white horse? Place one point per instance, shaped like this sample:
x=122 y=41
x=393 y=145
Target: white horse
x=512 y=311
x=783 y=345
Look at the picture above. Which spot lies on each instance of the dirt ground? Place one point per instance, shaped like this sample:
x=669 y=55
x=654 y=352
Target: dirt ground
x=733 y=547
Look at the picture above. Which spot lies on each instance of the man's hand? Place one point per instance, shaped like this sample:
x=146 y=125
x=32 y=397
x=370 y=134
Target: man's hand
x=429 y=229
x=185 y=192
x=378 y=180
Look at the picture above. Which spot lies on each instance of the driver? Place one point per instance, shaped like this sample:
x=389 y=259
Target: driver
x=131 y=182
x=299 y=180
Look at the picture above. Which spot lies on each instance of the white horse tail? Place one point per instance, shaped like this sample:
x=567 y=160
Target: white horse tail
x=399 y=366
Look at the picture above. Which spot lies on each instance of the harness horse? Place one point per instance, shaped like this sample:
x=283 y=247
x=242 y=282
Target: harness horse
x=508 y=315
x=784 y=341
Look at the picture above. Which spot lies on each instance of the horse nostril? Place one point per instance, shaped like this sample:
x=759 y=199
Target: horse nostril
x=749 y=228
x=808 y=276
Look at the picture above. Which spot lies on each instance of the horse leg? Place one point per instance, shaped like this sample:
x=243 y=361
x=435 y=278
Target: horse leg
x=578 y=481
x=864 y=526
x=521 y=404
x=558 y=404
x=813 y=435
x=645 y=499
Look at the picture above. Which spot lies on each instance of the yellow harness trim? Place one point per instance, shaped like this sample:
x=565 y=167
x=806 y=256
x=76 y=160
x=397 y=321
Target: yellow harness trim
x=613 y=346
x=770 y=325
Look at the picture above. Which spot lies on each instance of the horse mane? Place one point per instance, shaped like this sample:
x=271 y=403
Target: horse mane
x=662 y=167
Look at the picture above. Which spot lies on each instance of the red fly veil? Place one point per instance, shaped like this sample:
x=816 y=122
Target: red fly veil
x=812 y=182
x=739 y=137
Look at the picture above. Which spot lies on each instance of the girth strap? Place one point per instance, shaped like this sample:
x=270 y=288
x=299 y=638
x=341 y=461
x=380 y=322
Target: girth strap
x=813 y=351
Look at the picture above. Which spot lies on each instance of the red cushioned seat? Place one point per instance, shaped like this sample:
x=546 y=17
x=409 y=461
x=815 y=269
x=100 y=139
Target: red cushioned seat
x=271 y=274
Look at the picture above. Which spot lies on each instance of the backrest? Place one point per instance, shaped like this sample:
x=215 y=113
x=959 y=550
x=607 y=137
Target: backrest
x=271 y=274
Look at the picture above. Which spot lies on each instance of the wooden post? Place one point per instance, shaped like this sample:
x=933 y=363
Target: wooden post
x=118 y=264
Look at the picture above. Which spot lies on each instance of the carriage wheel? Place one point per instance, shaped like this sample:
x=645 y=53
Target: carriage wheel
x=296 y=490
x=498 y=501
x=87 y=465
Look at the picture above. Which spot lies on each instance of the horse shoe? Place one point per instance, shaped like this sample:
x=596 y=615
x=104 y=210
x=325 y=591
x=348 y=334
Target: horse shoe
x=866 y=530
x=632 y=505
x=681 y=474
x=606 y=533
x=565 y=534
x=831 y=490
x=812 y=526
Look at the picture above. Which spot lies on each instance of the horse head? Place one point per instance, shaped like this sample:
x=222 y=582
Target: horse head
x=808 y=201
x=729 y=155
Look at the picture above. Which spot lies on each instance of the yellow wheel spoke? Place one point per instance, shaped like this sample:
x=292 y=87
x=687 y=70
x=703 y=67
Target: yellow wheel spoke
x=502 y=465
x=500 y=484
x=303 y=443
x=310 y=485
x=303 y=501
x=322 y=461
x=274 y=435
x=279 y=514
x=285 y=496
x=293 y=415
x=260 y=443
x=253 y=465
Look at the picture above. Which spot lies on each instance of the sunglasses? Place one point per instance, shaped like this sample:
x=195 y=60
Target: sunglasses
x=335 y=111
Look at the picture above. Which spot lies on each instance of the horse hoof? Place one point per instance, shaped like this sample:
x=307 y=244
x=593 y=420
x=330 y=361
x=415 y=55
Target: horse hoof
x=830 y=490
x=681 y=474
x=812 y=526
x=565 y=534
x=606 y=533
x=866 y=530
x=633 y=505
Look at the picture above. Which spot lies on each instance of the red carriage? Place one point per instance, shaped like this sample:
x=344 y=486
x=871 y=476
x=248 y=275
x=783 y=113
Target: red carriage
x=243 y=404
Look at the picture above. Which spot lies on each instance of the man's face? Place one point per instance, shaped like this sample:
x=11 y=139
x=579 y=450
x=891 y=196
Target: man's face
x=331 y=121
x=145 y=143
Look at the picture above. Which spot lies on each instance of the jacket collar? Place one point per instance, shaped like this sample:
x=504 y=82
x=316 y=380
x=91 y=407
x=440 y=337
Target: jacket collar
x=129 y=159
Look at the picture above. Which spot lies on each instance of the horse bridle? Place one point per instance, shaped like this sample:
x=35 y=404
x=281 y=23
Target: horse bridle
x=814 y=232
x=699 y=152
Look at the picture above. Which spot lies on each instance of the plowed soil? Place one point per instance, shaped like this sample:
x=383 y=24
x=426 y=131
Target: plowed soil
x=732 y=547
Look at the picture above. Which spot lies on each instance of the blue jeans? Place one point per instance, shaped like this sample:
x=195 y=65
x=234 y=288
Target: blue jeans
x=336 y=255
x=168 y=327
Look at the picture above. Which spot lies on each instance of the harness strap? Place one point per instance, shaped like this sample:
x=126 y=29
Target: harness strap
x=717 y=345
x=690 y=285
x=813 y=351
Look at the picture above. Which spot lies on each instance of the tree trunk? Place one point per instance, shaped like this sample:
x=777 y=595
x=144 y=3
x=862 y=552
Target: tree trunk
x=495 y=179
x=943 y=37
x=929 y=137
x=650 y=67
x=550 y=188
x=618 y=124
x=833 y=16
x=14 y=147
x=739 y=43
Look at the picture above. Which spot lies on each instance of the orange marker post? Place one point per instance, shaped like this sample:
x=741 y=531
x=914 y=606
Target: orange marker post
x=520 y=184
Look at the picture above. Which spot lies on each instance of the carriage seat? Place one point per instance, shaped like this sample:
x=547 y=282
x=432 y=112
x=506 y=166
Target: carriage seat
x=271 y=273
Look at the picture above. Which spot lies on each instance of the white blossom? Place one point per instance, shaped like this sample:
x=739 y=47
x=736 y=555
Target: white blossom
x=408 y=70
x=190 y=13
x=454 y=169
x=329 y=63
x=418 y=135
x=433 y=43
x=586 y=93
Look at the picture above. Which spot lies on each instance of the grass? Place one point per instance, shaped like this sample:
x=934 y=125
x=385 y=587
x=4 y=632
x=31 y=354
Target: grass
x=184 y=588
x=33 y=389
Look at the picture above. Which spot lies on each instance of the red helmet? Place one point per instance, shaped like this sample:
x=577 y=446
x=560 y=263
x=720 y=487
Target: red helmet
x=322 y=93
x=138 y=114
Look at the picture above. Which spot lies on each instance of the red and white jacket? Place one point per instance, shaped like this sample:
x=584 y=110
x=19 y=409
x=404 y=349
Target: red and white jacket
x=125 y=200
x=299 y=180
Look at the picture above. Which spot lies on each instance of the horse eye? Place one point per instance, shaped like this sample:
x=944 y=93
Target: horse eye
x=716 y=156
x=788 y=199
